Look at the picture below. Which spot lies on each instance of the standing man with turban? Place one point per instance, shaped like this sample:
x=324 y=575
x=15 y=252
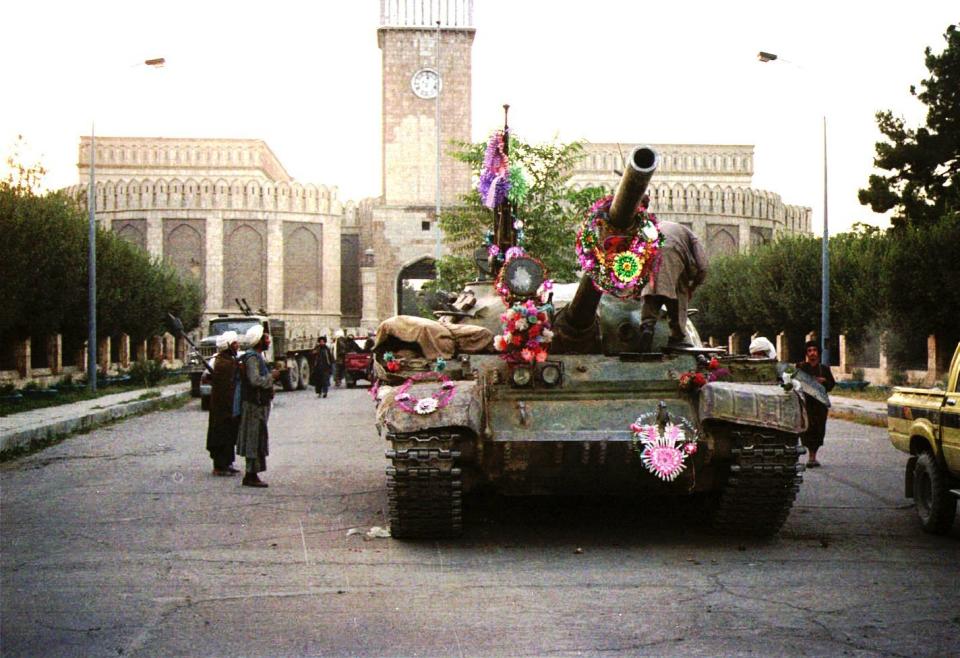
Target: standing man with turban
x=222 y=423
x=256 y=392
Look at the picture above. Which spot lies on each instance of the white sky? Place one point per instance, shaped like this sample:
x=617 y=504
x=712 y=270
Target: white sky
x=305 y=77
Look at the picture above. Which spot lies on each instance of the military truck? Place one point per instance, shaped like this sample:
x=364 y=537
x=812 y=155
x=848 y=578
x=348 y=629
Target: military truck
x=288 y=354
x=925 y=424
x=595 y=415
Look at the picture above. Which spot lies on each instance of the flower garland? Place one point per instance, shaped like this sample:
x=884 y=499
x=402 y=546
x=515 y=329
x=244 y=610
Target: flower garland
x=391 y=362
x=425 y=406
x=526 y=332
x=494 y=176
x=692 y=381
x=664 y=452
x=619 y=265
x=501 y=287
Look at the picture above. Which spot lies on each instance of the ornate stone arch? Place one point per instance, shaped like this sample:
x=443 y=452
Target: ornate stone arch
x=245 y=261
x=183 y=247
x=691 y=197
x=132 y=231
x=302 y=266
x=722 y=240
x=253 y=194
x=283 y=195
x=110 y=195
x=191 y=193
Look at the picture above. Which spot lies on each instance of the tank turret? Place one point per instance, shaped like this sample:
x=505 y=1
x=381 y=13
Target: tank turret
x=576 y=328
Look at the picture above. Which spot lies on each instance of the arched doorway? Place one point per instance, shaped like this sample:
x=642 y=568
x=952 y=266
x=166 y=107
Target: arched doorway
x=409 y=282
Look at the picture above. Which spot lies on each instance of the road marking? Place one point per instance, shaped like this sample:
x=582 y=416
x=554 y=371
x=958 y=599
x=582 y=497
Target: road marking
x=303 y=539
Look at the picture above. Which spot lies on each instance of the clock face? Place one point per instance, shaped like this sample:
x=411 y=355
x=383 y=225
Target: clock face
x=425 y=83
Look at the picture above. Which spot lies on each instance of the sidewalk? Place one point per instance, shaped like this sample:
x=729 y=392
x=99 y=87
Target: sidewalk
x=22 y=429
x=875 y=410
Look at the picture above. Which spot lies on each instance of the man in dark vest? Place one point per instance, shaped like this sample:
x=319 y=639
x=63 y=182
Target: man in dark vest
x=222 y=424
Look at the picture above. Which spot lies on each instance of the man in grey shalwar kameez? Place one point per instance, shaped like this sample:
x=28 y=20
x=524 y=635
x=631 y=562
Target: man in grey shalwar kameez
x=256 y=393
x=683 y=267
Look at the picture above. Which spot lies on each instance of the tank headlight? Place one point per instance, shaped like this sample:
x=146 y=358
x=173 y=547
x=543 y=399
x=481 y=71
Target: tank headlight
x=523 y=276
x=521 y=376
x=550 y=374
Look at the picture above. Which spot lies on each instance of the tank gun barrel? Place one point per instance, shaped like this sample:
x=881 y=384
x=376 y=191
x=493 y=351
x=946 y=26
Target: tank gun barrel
x=576 y=323
x=637 y=172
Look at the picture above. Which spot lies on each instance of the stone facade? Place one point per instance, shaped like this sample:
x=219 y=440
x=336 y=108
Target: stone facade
x=705 y=187
x=225 y=212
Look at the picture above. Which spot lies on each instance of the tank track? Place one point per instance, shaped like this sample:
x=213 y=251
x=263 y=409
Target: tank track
x=424 y=488
x=763 y=483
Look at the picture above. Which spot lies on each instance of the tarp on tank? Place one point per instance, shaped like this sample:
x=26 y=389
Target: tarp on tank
x=435 y=339
x=753 y=404
x=463 y=410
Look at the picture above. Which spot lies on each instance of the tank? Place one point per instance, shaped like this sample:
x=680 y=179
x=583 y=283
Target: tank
x=595 y=416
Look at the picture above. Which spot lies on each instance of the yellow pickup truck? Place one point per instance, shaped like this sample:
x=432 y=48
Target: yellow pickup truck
x=925 y=423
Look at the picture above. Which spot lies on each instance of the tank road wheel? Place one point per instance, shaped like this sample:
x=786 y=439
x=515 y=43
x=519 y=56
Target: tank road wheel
x=423 y=485
x=936 y=506
x=304 y=366
x=762 y=485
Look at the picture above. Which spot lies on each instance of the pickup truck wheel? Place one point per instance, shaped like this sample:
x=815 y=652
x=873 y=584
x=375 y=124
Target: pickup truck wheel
x=936 y=507
x=304 y=367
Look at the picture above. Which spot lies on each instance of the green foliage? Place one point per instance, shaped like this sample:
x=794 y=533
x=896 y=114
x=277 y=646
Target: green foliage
x=901 y=280
x=774 y=288
x=924 y=163
x=43 y=274
x=551 y=212
x=919 y=288
x=147 y=372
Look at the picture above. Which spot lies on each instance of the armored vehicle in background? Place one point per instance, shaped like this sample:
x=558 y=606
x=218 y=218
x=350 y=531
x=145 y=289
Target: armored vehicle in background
x=594 y=416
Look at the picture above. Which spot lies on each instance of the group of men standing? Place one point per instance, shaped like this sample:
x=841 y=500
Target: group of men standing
x=240 y=396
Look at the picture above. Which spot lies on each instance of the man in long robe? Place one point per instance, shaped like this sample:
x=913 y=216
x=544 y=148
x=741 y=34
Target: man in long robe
x=683 y=267
x=817 y=411
x=256 y=392
x=222 y=424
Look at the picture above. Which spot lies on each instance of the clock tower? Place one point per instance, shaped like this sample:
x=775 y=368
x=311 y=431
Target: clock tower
x=426 y=77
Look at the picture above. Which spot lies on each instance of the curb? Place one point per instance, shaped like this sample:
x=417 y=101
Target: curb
x=854 y=409
x=37 y=434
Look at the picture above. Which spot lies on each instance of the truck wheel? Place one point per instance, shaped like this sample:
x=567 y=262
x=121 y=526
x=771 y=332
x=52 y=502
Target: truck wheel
x=936 y=507
x=290 y=378
x=304 y=367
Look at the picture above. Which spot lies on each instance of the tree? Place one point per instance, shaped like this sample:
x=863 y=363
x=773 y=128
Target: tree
x=43 y=274
x=551 y=212
x=924 y=163
x=918 y=288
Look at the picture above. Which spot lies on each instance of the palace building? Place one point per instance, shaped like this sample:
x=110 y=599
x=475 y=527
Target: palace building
x=226 y=212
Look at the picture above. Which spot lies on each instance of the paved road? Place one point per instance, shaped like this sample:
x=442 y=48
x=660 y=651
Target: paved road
x=120 y=542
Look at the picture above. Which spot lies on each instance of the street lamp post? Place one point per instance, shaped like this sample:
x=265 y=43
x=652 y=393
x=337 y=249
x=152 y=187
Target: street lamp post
x=436 y=218
x=155 y=62
x=825 y=246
